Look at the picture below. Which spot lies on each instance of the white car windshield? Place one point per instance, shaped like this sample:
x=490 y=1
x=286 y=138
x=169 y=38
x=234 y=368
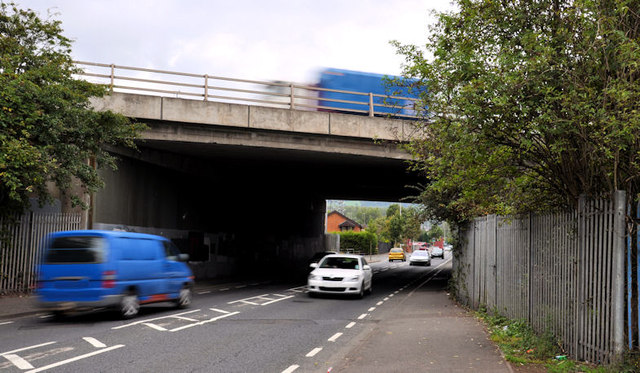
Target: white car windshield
x=420 y=253
x=339 y=262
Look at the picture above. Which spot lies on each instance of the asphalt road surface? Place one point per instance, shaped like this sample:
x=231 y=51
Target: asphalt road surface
x=240 y=327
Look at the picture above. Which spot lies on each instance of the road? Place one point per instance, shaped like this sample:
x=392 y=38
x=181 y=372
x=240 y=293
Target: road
x=240 y=327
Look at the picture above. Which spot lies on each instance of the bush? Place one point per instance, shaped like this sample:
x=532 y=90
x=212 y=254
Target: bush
x=360 y=242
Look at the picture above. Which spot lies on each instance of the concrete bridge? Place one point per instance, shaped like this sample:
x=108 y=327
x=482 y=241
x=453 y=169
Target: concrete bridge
x=242 y=186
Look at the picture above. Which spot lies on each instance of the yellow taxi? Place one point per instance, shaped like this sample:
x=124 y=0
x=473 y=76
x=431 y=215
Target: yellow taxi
x=396 y=254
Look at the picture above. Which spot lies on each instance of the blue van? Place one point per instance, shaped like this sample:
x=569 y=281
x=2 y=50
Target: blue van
x=121 y=270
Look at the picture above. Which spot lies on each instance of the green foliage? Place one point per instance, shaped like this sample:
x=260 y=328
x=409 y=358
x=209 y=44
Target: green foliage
x=531 y=104
x=48 y=133
x=521 y=345
x=362 y=242
x=393 y=210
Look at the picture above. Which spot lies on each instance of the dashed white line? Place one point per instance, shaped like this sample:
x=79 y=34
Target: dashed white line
x=94 y=342
x=350 y=325
x=241 y=286
x=291 y=369
x=224 y=289
x=379 y=303
x=390 y=295
x=63 y=362
x=6 y=322
x=217 y=310
x=18 y=361
x=371 y=309
x=362 y=316
x=204 y=292
x=386 y=299
x=313 y=352
x=334 y=337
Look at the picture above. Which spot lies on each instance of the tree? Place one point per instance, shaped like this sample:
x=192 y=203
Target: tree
x=530 y=105
x=393 y=210
x=48 y=132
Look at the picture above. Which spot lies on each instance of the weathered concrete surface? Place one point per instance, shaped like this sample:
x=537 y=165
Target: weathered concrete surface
x=257 y=117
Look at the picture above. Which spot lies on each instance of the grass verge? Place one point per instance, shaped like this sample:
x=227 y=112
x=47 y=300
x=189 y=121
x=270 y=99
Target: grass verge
x=522 y=346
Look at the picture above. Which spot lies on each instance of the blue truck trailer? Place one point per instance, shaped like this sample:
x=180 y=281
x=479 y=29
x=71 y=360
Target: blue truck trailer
x=356 y=81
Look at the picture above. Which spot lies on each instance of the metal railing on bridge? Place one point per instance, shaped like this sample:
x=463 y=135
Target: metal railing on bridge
x=278 y=94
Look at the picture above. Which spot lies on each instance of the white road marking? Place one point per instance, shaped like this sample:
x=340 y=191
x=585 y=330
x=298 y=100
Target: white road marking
x=224 y=289
x=379 y=303
x=396 y=292
x=386 y=299
x=45 y=316
x=94 y=342
x=204 y=292
x=299 y=289
x=362 y=316
x=350 y=325
x=204 y=322
x=153 y=319
x=18 y=361
x=291 y=369
x=371 y=309
x=390 y=295
x=245 y=300
x=154 y=326
x=241 y=286
x=217 y=310
x=313 y=352
x=63 y=362
x=27 y=348
x=277 y=300
x=6 y=322
x=334 y=337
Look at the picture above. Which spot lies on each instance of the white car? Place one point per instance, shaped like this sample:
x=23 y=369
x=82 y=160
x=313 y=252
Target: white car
x=420 y=257
x=340 y=274
x=437 y=252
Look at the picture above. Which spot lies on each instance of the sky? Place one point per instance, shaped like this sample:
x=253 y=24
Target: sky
x=288 y=40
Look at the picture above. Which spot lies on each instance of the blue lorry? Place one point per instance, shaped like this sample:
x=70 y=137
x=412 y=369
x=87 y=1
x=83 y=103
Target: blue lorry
x=332 y=80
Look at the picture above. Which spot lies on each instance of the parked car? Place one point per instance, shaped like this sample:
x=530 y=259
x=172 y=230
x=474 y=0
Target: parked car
x=121 y=270
x=340 y=274
x=420 y=257
x=397 y=253
x=437 y=252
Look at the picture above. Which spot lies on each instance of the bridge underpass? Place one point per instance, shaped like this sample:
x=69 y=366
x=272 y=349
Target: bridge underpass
x=237 y=198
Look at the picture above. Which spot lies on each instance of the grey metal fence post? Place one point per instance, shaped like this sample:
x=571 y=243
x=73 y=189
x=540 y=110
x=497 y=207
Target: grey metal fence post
x=618 y=279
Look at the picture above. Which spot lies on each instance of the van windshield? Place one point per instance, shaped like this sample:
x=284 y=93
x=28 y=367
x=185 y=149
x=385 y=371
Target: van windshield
x=75 y=249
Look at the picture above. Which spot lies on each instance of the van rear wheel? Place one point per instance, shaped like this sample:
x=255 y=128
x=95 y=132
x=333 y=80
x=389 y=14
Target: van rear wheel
x=184 y=299
x=129 y=305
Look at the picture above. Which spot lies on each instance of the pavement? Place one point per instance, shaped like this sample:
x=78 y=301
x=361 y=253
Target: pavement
x=419 y=334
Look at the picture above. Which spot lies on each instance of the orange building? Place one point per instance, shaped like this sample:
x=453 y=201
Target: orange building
x=336 y=222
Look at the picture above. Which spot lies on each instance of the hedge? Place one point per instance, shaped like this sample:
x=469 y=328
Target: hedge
x=360 y=242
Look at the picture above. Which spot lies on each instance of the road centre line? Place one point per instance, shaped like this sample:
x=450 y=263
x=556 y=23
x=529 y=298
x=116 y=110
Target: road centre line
x=224 y=289
x=94 y=342
x=386 y=299
x=350 y=325
x=18 y=361
x=204 y=292
x=153 y=319
x=63 y=362
x=291 y=369
x=6 y=322
x=334 y=337
x=371 y=309
x=313 y=352
x=362 y=316
x=379 y=303
x=27 y=348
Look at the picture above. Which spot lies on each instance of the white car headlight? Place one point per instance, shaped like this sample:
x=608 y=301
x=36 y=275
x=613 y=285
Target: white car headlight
x=315 y=277
x=354 y=278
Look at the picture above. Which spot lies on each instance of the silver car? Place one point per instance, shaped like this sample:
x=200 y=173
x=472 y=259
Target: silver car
x=340 y=274
x=420 y=257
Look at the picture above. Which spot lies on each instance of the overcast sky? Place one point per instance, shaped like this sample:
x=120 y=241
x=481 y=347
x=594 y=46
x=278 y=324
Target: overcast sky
x=255 y=39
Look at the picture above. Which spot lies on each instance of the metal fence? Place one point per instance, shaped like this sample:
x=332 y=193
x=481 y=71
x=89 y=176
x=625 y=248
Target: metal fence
x=563 y=273
x=206 y=87
x=21 y=245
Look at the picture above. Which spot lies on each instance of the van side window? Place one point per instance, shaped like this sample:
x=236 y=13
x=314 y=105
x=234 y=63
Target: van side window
x=171 y=251
x=138 y=249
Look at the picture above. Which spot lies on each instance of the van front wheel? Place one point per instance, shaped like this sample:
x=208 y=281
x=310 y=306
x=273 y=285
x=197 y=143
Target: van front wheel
x=129 y=305
x=184 y=299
